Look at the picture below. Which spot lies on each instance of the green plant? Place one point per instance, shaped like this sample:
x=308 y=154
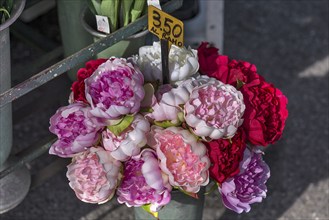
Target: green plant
x=5 y=9
x=119 y=12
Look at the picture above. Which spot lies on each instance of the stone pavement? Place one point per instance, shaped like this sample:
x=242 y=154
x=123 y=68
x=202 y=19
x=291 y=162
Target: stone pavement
x=288 y=41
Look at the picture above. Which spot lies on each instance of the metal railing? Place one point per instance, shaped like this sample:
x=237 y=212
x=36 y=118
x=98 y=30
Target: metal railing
x=60 y=68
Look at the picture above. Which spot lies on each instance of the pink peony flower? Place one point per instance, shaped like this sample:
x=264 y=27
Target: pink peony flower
x=94 y=175
x=167 y=104
x=181 y=157
x=143 y=182
x=129 y=142
x=75 y=128
x=115 y=89
x=214 y=109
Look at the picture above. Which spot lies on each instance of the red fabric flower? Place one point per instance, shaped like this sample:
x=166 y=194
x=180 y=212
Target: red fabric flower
x=225 y=156
x=78 y=87
x=265 y=114
x=222 y=68
x=207 y=58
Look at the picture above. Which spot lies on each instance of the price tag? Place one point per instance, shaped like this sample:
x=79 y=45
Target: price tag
x=165 y=26
x=103 y=24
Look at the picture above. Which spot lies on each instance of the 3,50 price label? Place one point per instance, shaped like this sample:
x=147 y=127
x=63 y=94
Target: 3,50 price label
x=165 y=26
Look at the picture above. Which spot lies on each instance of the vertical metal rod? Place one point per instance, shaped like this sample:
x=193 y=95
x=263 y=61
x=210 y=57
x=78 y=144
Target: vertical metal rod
x=5 y=83
x=165 y=61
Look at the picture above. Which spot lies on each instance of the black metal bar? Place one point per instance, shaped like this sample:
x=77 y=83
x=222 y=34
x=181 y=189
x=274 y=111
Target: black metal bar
x=165 y=61
x=79 y=57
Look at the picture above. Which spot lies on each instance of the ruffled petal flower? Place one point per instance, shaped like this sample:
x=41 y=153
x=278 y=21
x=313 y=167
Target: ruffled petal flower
x=182 y=158
x=214 y=109
x=129 y=142
x=247 y=187
x=183 y=63
x=143 y=182
x=76 y=129
x=115 y=89
x=167 y=104
x=94 y=175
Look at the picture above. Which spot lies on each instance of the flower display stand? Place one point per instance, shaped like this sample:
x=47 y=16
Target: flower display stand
x=15 y=186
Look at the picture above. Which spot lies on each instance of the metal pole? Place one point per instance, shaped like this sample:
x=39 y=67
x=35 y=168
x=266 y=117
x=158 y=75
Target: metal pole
x=15 y=186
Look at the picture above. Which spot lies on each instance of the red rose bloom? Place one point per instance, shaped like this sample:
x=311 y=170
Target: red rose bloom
x=225 y=156
x=78 y=87
x=265 y=114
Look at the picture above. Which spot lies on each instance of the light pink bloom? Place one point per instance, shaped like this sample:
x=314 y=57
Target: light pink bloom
x=94 y=175
x=143 y=182
x=75 y=128
x=168 y=104
x=214 y=109
x=129 y=142
x=115 y=89
x=182 y=158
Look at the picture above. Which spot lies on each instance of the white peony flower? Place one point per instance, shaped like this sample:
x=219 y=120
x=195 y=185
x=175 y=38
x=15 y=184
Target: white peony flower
x=183 y=63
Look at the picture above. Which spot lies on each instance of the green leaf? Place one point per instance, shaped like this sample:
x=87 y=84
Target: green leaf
x=9 y=6
x=111 y=9
x=137 y=9
x=167 y=124
x=239 y=84
x=117 y=129
x=126 y=7
x=147 y=208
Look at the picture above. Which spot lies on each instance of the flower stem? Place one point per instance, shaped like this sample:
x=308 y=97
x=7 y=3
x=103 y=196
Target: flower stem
x=215 y=186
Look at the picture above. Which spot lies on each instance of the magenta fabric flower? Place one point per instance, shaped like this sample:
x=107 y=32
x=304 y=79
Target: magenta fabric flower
x=129 y=142
x=182 y=158
x=143 y=182
x=75 y=128
x=115 y=89
x=94 y=175
x=247 y=187
x=214 y=109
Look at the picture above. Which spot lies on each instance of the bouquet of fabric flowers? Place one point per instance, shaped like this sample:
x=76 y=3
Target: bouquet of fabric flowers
x=131 y=136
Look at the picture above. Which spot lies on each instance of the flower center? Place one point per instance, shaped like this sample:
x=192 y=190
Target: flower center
x=184 y=165
x=217 y=107
x=112 y=88
x=71 y=126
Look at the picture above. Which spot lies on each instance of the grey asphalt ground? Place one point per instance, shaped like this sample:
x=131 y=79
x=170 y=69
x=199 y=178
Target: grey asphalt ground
x=288 y=41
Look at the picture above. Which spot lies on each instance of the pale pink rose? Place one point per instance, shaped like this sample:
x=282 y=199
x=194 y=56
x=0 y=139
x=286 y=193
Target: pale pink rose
x=143 y=182
x=75 y=128
x=182 y=157
x=214 y=109
x=94 y=175
x=129 y=142
x=115 y=89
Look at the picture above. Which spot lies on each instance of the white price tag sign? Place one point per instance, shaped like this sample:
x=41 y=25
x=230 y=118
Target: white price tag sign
x=155 y=3
x=103 y=24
